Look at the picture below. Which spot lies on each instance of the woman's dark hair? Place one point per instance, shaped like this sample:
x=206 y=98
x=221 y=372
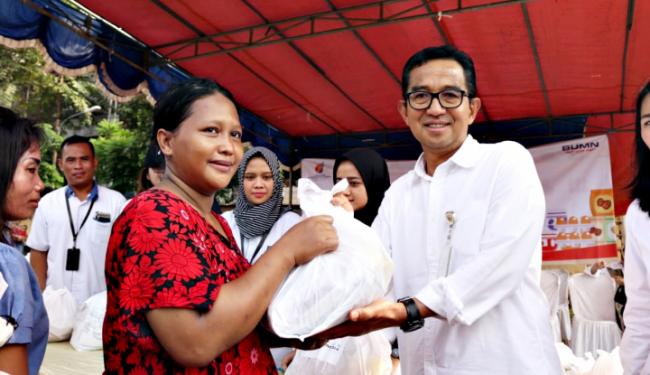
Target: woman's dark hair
x=154 y=159
x=641 y=184
x=16 y=136
x=439 y=53
x=174 y=105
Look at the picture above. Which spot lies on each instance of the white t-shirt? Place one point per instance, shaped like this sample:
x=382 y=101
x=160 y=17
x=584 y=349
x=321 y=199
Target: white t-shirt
x=51 y=232
x=494 y=316
x=635 y=346
x=284 y=223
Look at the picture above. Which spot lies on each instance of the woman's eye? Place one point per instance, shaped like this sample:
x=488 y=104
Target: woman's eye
x=211 y=129
x=236 y=134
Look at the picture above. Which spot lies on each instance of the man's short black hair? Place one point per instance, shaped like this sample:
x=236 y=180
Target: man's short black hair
x=440 y=53
x=74 y=139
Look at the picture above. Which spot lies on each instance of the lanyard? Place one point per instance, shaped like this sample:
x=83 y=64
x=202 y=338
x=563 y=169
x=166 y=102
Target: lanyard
x=257 y=250
x=74 y=235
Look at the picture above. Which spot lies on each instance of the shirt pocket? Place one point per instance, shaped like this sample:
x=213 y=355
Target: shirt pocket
x=468 y=231
x=101 y=233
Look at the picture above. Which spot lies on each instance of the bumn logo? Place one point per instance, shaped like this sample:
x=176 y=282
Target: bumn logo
x=580 y=147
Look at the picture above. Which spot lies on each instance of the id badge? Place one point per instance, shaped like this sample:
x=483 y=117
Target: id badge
x=72 y=259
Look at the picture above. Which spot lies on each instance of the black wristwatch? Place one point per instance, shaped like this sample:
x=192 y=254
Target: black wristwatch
x=413 y=319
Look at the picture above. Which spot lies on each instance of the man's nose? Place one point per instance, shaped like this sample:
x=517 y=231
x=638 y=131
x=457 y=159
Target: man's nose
x=436 y=109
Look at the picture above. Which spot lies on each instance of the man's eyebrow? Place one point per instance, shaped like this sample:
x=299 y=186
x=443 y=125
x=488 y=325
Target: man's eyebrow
x=425 y=88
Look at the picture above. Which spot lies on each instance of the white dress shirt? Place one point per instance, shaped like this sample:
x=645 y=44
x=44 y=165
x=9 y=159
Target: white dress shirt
x=51 y=232
x=635 y=347
x=494 y=316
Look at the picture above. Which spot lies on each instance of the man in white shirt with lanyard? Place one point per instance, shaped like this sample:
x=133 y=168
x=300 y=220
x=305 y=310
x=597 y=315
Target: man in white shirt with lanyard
x=464 y=230
x=72 y=224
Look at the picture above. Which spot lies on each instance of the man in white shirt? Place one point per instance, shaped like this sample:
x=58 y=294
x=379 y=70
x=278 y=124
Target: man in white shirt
x=72 y=224
x=464 y=231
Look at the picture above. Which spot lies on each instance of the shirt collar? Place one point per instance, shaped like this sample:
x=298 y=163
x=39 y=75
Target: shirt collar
x=94 y=193
x=468 y=154
x=466 y=157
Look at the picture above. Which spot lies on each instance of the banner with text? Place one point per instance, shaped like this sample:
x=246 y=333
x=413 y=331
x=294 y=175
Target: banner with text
x=577 y=181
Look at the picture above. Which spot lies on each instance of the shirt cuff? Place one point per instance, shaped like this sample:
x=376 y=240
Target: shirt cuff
x=440 y=298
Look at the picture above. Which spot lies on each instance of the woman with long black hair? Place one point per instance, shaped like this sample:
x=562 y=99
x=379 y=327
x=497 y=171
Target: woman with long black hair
x=635 y=346
x=23 y=320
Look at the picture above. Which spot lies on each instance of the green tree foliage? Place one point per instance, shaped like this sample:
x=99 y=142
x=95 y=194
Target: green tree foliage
x=49 y=173
x=119 y=154
x=28 y=89
x=55 y=102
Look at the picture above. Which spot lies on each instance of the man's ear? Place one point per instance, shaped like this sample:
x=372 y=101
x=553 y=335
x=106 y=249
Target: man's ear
x=165 y=139
x=59 y=163
x=474 y=108
x=401 y=108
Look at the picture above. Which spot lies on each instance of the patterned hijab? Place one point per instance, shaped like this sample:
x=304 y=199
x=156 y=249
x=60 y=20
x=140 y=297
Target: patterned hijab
x=255 y=220
x=374 y=173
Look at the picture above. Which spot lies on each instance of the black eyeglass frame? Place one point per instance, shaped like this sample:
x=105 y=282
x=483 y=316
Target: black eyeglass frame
x=435 y=95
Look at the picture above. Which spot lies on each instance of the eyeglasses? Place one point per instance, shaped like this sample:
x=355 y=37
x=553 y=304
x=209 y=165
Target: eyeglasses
x=448 y=98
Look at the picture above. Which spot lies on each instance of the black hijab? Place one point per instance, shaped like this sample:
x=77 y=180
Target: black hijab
x=374 y=173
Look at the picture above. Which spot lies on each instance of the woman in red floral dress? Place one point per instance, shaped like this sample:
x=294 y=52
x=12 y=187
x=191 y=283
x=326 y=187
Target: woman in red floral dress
x=181 y=298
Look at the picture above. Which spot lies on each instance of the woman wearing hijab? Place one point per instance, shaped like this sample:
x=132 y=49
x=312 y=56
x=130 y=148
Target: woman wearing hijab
x=367 y=174
x=259 y=219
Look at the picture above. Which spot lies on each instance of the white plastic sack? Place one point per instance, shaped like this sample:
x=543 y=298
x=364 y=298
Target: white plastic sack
x=87 y=331
x=61 y=310
x=608 y=363
x=318 y=295
x=368 y=354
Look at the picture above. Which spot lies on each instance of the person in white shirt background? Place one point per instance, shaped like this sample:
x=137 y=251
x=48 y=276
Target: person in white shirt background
x=464 y=231
x=259 y=218
x=635 y=345
x=72 y=224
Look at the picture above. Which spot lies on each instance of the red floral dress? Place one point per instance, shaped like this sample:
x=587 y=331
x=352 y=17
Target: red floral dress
x=162 y=253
